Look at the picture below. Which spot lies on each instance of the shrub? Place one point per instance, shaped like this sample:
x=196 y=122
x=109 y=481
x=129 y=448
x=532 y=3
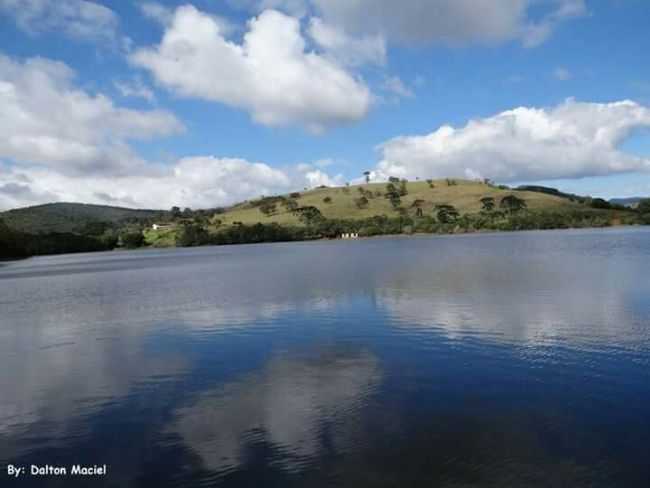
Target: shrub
x=132 y=239
x=446 y=214
x=192 y=235
x=361 y=202
x=600 y=203
x=511 y=203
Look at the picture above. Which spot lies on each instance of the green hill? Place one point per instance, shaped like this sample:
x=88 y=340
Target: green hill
x=397 y=207
x=343 y=202
x=71 y=217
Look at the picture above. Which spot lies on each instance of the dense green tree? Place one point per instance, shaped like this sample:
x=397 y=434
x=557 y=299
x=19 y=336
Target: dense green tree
x=309 y=215
x=96 y=228
x=488 y=204
x=132 y=239
x=393 y=195
x=12 y=244
x=192 y=235
x=446 y=214
x=512 y=204
x=600 y=203
x=643 y=209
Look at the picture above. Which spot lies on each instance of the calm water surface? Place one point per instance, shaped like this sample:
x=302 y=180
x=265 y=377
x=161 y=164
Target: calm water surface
x=493 y=361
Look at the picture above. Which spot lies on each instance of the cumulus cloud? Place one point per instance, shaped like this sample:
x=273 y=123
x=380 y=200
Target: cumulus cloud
x=60 y=143
x=156 y=11
x=78 y=19
x=353 y=51
x=448 y=21
x=572 y=140
x=270 y=73
x=46 y=120
x=164 y=16
x=198 y=182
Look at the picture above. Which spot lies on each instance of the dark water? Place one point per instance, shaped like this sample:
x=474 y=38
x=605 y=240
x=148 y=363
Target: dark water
x=493 y=361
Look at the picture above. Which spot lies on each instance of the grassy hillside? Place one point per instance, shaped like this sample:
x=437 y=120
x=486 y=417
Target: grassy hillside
x=464 y=195
x=434 y=207
x=70 y=217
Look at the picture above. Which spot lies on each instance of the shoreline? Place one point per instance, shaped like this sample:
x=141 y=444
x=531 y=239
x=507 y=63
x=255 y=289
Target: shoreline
x=476 y=233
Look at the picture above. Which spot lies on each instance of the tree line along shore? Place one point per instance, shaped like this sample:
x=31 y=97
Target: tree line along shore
x=395 y=207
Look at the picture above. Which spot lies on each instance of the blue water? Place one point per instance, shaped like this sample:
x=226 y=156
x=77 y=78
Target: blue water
x=490 y=360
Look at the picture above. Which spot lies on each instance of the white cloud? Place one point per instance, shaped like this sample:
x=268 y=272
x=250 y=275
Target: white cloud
x=164 y=16
x=295 y=8
x=60 y=143
x=412 y=20
x=535 y=33
x=197 y=182
x=46 y=121
x=158 y=12
x=270 y=74
x=450 y=21
x=135 y=89
x=572 y=140
x=531 y=22
x=561 y=74
x=79 y=19
x=353 y=51
x=396 y=86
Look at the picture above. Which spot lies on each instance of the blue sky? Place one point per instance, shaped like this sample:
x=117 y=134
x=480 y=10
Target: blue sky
x=209 y=102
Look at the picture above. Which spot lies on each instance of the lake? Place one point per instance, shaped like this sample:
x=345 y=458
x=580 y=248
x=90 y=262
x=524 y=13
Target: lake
x=491 y=360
